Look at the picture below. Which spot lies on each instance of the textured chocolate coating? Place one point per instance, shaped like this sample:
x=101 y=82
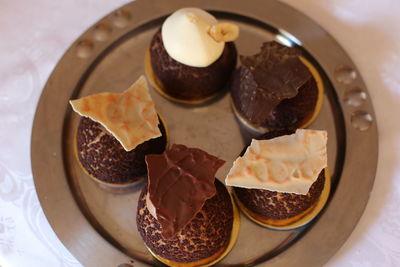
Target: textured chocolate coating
x=205 y=235
x=180 y=181
x=273 y=88
x=191 y=83
x=277 y=205
x=103 y=156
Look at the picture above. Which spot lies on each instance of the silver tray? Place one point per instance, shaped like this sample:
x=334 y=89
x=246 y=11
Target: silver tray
x=98 y=226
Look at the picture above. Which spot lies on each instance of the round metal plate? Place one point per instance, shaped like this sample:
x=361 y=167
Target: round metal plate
x=98 y=226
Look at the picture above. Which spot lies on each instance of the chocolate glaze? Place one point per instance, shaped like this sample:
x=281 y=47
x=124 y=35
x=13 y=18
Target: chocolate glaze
x=191 y=83
x=266 y=80
x=180 y=181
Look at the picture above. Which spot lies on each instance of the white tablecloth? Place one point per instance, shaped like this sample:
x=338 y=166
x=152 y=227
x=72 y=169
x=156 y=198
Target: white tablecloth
x=35 y=34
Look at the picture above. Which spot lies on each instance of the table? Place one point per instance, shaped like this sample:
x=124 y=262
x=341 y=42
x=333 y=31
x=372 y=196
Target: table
x=35 y=34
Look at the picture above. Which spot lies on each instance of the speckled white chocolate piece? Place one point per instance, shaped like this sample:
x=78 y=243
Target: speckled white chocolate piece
x=289 y=163
x=129 y=116
x=186 y=37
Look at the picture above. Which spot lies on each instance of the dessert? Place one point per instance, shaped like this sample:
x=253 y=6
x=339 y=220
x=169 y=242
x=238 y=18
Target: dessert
x=192 y=56
x=115 y=133
x=185 y=216
x=282 y=182
x=276 y=89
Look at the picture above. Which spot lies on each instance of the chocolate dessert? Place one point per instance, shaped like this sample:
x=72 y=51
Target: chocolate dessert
x=104 y=158
x=190 y=83
x=293 y=158
x=116 y=132
x=192 y=56
x=185 y=215
x=276 y=88
x=203 y=239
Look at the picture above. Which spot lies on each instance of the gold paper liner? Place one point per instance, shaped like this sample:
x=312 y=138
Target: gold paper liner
x=320 y=86
x=306 y=217
x=307 y=121
x=220 y=254
x=157 y=85
x=117 y=186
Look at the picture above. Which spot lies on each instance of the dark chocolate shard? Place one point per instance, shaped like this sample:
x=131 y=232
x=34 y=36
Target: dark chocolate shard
x=180 y=181
x=266 y=79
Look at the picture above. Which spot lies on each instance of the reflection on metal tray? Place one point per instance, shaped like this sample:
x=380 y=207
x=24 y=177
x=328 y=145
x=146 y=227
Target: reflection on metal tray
x=98 y=227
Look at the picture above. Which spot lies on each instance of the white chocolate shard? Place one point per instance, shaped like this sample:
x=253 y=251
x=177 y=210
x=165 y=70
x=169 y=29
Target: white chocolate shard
x=129 y=116
x=289 y=163
x=187 y=38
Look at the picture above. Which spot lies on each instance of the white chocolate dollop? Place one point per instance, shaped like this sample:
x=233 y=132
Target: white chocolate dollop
x=186 y=37
x=289 y=163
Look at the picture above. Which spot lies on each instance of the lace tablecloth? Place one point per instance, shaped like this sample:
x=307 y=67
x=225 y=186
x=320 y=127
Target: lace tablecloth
x=35 y=34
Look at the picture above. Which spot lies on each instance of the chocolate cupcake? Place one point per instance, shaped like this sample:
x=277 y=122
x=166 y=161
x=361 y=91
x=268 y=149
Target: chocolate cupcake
x=282 y=183
x=191 y=57
x=115 y=134
x=276 y=89
x=185 y=216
